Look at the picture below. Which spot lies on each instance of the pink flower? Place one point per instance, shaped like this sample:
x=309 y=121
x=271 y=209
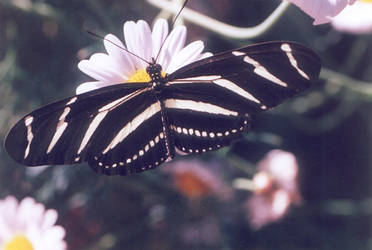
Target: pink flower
x=195 y=179
x=356 y=19
x=275 y=188
x=322 y=10
x=28 y=226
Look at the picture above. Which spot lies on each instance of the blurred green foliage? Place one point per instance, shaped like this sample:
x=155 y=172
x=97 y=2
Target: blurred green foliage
x=328 y=129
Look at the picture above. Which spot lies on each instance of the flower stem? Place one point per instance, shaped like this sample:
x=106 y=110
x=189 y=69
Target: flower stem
x=220 y=27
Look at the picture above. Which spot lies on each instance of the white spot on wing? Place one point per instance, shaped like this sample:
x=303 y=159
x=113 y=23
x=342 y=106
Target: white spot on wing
x=65 y=113
x=28 y=120
x=262 y=71
x=112 y=104
x=180 y=152
x=198 y=106
x=92 y=127
x=59 y=131
x=72 y=100
x=195 y=79
x=61 y=126
x=236 y=89
x=179 y=129
x=133 y=125
x=121 y=100
x=287 y=49
x=30 y=135
x=238 y=53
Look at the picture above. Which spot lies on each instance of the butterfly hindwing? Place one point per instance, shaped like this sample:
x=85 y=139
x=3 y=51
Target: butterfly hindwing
x=199 y=120
x=222 y=92
x=140 y=143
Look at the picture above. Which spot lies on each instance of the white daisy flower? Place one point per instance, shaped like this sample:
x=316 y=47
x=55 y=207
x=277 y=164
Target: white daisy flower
x=322 y=10
x=356 y=19
x=28 y=226
x=118 y=66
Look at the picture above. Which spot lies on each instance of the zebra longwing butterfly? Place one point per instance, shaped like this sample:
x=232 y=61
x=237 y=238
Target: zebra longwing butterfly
x=128 y=128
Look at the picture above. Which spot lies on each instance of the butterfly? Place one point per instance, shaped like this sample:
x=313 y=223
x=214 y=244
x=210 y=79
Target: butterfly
x=132 y=127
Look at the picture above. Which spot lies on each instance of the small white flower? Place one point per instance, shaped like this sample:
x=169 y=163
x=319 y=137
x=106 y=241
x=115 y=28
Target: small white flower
x=356 y=19
x=28 y=226
x=322 y=10
x=118 y=66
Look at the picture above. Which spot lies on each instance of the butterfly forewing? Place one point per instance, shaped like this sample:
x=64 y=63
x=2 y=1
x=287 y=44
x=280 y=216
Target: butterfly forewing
x=71 y=130
x=264 y=74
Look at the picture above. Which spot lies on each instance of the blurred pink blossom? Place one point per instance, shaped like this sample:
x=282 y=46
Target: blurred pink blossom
x=356 y=19
x=205 y=231
x=322 y=10
x=276 y=188
x=195 y=179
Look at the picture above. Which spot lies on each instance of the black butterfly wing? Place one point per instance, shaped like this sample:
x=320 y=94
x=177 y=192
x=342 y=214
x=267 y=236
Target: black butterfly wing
x=129 y=128
x=107 y=127
x=201 y=118
x=224 y=90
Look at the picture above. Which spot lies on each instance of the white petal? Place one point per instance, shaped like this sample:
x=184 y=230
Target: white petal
x=8 y=207
x=205 y=55
x=53 y=238
x=101 y=67
x=120 y=57
x=138 y=40
x=186 y=56
x=55 y=233
x=173 y=44
x=28 y=210
x=159 y=33
x=49 y=219
x=89 y=86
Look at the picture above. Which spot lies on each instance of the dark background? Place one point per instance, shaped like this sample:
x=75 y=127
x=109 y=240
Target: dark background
x=328 y=128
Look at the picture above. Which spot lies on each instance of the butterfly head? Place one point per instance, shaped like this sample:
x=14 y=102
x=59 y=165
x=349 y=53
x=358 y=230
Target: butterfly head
x=155 y=72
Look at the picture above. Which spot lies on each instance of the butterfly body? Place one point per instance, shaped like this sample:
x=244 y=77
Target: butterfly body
x=131 y=127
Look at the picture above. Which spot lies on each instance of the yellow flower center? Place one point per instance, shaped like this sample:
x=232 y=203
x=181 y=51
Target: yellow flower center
x=19 y=242
x=366 y=1
x=142 y=76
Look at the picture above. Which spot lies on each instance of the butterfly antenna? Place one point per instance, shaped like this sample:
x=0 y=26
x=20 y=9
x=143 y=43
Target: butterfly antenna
x=120 y=47
x=173 y=22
